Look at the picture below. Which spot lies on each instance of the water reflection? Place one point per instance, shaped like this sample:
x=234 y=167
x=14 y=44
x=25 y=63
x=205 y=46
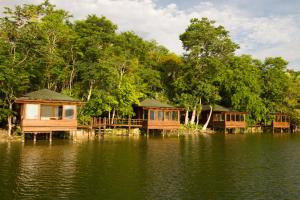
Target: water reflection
x=186 y=167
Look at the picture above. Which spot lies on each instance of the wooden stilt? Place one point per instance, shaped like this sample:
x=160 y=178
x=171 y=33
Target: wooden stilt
x=34 y=138
x=104 y=127
x=23 y=136
x=129 y=125
x=50 y=137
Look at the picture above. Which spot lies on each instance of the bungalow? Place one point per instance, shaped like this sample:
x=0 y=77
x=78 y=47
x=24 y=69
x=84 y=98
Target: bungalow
x=45 y=111
x=158 y=115
x=223 y=118
x=281 y=121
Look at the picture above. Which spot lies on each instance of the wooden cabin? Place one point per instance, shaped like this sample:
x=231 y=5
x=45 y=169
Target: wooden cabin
x=281 y=121
x=223 y=118
x=45 y=111
x=158 y=115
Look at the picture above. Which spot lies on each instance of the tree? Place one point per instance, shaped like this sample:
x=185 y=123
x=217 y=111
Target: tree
x=207 y=46
x=242 y=88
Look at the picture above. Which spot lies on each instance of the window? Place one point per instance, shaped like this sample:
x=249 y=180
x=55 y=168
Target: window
x=167 y=115
x=32 y=111
x=232 y=117
x=222 y=118
x=145 y=114
x=219 y=118
x=152 y=115
x=160 y=115
x=278 y=118
x=49 y=112
x=174 y=116
x=238 y=117
x=69 y=112
x=242 y=118
x=227 y=117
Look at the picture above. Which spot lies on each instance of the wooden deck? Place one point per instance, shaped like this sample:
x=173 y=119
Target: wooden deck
x=117 y=122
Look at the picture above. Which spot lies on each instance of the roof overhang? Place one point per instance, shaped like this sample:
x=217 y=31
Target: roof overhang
x=53 y=102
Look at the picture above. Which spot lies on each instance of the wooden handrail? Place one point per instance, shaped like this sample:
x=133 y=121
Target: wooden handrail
x=116 y=121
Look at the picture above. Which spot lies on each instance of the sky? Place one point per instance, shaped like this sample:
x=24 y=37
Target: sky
x=262 y=28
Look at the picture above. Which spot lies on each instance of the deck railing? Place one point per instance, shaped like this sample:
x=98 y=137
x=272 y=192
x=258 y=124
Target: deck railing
x=98 y=121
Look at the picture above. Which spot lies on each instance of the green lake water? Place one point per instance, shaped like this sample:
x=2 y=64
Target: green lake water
x=186 y=167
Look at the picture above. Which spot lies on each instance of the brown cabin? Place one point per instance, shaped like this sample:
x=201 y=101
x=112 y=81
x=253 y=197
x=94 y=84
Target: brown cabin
x=281 y=121
x=223 y=118
x=46 y=111
x=158 y=115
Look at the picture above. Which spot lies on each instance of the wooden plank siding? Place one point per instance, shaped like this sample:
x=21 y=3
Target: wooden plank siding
x=281 y=120
x=39 y=125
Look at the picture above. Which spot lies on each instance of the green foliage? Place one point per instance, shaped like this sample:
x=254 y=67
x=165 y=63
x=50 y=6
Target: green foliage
x=40 y=47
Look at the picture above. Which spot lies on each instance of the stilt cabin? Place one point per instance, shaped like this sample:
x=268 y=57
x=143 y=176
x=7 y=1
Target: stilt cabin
x=158 y=115
x=223 y=118
x=46 y=111
x=281 y=121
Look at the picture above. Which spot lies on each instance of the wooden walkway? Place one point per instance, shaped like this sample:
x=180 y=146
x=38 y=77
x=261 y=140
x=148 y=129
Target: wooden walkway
x=98 y=123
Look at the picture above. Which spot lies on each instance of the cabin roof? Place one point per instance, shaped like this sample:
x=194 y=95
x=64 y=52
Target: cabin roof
x=154 y=103
x=47 y=95
x=217 y=108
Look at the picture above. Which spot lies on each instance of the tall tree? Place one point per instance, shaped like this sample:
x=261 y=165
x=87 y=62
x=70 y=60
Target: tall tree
x=207 y=46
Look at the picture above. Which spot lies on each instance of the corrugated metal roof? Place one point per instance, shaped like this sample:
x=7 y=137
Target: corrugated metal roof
x=46 y=94
x=154 y=103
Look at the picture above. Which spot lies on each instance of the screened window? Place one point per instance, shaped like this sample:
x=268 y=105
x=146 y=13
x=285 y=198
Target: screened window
x=167 y=115
x=227 y=117
x=232 y=117
x=32 y=111
x=69 y=112
x=145 y=114
x=222 y=118
x=242 y=117
x=278 y=118
x=219 y=118
x=238 y=118
x=174 y=116
x=51 y=112
x=160 y=115
x=152 y=115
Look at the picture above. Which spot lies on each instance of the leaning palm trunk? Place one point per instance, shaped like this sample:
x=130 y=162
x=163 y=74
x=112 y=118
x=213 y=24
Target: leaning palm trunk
x=207 y=122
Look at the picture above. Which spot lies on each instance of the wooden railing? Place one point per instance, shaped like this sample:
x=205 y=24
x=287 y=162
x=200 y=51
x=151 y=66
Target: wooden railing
x=96 y=122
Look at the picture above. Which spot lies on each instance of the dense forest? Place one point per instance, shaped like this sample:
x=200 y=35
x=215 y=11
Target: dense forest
x=91 y=60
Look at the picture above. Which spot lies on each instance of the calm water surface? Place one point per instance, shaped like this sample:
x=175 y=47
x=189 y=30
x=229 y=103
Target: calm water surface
x=189 y=167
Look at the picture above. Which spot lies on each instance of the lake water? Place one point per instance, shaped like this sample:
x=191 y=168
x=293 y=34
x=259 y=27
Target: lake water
x=188 y=167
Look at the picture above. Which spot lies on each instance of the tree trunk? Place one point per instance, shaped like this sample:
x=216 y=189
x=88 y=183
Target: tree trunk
x=109 y=117
x=186 y=120
x=198 y=118
x=207 y=122
x=193 y=116
x=113 y=116
x=9 y=120
x=90 y=90
x=199 y=111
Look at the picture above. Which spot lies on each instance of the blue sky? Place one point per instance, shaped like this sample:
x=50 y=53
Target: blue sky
x=263 y=28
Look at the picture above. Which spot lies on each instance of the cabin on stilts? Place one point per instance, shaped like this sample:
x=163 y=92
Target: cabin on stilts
x=157 y=115
x=224 y=119
x=150 y=114
x=281 y=122
x=45 y=111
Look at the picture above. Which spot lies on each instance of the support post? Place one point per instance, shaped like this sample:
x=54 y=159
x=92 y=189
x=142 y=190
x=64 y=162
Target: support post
x=50 y=137
x=105 y=121
x=23 y=136
x=34 y=138
x=129 y=125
